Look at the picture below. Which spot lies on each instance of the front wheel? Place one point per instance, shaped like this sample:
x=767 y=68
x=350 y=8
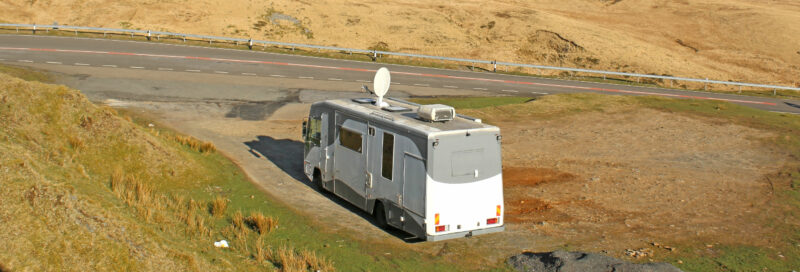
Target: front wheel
x=317 y=181
x=380 y=216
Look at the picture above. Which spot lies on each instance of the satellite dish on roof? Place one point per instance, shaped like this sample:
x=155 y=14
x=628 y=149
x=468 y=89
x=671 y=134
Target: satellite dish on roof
x=381 y=85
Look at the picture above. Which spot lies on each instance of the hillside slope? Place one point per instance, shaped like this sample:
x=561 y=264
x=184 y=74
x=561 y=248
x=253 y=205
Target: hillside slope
x=726 y=40
x=85 y=189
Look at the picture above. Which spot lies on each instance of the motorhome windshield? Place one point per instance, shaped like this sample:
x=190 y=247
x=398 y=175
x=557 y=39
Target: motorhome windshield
x=459 y=158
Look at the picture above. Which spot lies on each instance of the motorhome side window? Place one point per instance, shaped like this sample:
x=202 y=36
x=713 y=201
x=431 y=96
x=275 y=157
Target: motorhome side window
x=388 y=156
x=350 y=139
x=314 y=130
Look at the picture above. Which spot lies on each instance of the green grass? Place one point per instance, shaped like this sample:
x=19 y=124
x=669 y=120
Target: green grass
x=26 y=73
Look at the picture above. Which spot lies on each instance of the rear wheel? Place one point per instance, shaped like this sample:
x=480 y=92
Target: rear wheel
x=380 y=215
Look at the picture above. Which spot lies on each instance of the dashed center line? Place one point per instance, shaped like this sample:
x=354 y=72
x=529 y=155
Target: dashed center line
x=82 y=64
x=110 y=65
x=365 y=81
x=220 y=72
x=137 y=67
x=248 y=74
x=165 y=69
x=451 y=87
x=539 y=93
x=335 y=79
x=422 y=85
x=306 y=77
x=193 y=71
x=23 y=60
x=53 y=62
x=480 y=89
x=510 y=91
x=277 y=75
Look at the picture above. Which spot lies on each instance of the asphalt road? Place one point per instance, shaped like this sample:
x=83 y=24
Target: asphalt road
x=129 y=56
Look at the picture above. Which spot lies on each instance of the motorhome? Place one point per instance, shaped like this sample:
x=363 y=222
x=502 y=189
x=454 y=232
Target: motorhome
x=423 y=169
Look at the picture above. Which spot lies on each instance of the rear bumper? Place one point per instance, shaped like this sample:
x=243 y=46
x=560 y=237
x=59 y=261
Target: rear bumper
x=464 y=233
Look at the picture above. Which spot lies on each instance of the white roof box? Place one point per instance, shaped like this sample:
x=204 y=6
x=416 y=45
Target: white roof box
x=436 y=113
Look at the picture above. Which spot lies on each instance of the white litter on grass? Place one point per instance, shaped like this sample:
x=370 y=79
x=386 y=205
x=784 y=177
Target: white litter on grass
x=222 y=244
x=151 y=125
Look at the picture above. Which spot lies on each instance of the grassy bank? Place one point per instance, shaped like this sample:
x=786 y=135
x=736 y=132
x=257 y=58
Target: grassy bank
x=782 y=255
x=86 y=188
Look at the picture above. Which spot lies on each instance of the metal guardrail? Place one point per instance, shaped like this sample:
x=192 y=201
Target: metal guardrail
x=375 y=53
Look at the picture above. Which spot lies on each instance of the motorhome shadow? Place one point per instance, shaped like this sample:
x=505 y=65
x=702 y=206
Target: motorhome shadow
x=422 y=169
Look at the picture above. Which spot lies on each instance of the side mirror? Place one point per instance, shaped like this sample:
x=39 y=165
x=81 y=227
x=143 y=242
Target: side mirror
x=305 y=128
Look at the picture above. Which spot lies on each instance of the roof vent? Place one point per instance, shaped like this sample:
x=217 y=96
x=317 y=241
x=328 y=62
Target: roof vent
x=436 y=113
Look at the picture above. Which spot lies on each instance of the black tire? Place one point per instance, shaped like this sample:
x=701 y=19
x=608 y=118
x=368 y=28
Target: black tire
x=380 y=216
x=317 y=181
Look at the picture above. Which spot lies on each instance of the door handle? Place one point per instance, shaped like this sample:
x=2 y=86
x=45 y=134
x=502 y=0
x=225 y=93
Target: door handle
x=369 y=180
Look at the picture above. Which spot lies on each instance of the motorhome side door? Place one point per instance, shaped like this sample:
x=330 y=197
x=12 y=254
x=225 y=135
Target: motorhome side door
x=350 y=160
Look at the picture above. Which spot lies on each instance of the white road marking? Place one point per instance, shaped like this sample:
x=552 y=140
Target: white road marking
x=451 y=87
x=53 y=62
x=539 y=93
x=480 y=89
x=277 y=75
x=248 y=74
x=335 y=79
x=82 y=64
x=220 y=72
x=23 y=60
x=364 y=81
x=510 y=91
x=397 y=83
x=137 y=67
x=422 y=85
x=193 y=71
x=110 y=65
x=306 y=77
x=165 y=69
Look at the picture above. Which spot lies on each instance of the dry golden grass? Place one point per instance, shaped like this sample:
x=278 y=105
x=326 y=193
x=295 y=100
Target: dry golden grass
x=738 y=40
x=261 y=224
x=291 y=260
x=195 y=144
x=218 y=206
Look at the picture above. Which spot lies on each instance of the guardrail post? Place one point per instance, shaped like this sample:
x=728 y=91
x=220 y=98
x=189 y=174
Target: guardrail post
x=774 y=92
x=705 y=85
x=148 y=35
x=250 y=43
x=184 y=38
x=494 y=69
x=34 y=29
x=374 y=55
x=104 y=34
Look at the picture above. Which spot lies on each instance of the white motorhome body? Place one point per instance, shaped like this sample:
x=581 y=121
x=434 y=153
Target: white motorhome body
x=434 y=180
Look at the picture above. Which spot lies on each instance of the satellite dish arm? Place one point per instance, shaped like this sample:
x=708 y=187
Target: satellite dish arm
x=365 y=88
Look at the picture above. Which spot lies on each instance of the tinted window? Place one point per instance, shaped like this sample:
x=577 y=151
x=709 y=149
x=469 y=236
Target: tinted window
x=350 y=139
x=388 y=156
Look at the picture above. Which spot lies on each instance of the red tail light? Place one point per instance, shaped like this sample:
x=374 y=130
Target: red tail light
x=491 y=221
x=439 y=228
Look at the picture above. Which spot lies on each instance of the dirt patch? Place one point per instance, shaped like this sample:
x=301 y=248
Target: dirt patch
x=638 y=175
